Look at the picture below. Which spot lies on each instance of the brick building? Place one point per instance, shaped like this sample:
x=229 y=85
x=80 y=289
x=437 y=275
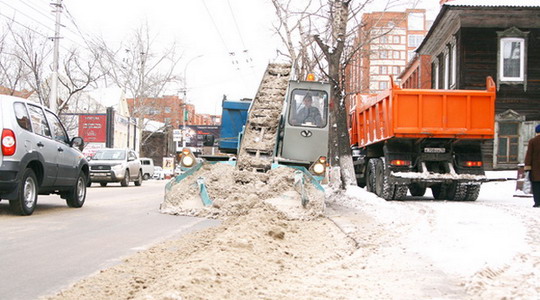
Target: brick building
x=386 y=43
x=169 y=110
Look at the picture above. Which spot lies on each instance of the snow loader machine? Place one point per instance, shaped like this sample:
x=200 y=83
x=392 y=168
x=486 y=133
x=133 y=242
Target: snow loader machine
x=412 y=139
x=281 y=130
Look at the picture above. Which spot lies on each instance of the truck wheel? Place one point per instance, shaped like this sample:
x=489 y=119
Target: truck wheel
x=458 y=191
x=417 y=190
x=401 y=192
x=27 y=193
x=370 y=176
x=139 y=179
x=76 y=196
x=125 y=181
x=103 y=184
x=383 y=188
x=146 y=176
x=472 y=192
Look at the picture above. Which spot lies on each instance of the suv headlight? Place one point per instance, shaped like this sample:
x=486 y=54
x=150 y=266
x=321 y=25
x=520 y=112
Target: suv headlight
x=116 y=167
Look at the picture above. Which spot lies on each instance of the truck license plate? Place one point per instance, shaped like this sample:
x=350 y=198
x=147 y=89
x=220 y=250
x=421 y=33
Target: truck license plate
x=434 y=150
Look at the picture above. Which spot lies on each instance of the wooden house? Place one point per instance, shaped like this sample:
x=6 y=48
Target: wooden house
x=470 y=40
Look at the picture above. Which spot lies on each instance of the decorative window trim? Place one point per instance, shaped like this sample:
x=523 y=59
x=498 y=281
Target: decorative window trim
x=512 y=34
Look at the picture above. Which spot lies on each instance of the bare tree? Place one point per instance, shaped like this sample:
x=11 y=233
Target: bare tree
x=12 y=71
x=140 y=70
x=325 y=22
x=78 y=74
x=31 y=51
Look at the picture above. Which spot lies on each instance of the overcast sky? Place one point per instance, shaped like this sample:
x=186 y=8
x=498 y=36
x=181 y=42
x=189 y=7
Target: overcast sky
x=225 y=44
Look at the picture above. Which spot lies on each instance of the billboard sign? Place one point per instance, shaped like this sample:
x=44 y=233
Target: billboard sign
x=196 y=135
x=93 y=128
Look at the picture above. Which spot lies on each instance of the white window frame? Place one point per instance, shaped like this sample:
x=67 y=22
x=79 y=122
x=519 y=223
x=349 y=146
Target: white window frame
x=453 y=78
x=521 y=76
x=446 y=70
x=436 y=75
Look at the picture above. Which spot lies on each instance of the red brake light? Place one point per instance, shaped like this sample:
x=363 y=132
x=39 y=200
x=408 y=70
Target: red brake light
x=399 y=162
x=471 y=164
x=9 y=144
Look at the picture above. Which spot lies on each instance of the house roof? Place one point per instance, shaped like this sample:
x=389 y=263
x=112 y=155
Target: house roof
x=495 y=3
x=469 y=13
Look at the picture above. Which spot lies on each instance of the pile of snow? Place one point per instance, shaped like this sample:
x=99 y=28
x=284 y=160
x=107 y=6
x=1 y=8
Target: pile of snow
x=235 y=193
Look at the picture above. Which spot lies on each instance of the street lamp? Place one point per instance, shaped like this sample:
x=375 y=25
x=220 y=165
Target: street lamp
x=185 y=101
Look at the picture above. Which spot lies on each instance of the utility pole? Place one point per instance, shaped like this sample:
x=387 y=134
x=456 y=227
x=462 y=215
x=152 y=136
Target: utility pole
x=53 y=104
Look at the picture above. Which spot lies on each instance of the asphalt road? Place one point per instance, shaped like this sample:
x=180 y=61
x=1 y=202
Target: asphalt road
x=57 y=245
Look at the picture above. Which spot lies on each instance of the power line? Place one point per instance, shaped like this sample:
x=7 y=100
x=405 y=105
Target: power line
x=245 y=51
x=18 y=23
x=38 y=22
x=31 y=18
x=36 y=10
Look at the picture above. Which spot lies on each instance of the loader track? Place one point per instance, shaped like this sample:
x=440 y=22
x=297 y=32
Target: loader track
x=259 y=141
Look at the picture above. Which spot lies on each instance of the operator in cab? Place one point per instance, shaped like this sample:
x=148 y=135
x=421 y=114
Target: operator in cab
x=308 y=114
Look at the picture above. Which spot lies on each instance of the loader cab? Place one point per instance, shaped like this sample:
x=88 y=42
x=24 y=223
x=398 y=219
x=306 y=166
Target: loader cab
x=305 y=124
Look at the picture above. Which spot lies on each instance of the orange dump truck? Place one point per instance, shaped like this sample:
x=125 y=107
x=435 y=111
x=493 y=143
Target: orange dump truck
x=411 y=139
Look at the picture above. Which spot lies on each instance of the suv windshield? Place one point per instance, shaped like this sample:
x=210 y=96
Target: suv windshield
x=110 y=155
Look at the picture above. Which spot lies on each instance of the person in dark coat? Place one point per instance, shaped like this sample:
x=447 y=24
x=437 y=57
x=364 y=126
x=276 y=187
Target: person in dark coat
x=532 y=164
x=309 y=114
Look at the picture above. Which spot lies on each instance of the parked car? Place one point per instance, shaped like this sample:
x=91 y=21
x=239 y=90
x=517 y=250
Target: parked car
x=116 y=165
x=158 y=173
x=37 y=157
x=147 y=167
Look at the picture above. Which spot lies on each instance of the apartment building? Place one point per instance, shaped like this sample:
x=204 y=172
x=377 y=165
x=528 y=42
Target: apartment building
x=384 y=44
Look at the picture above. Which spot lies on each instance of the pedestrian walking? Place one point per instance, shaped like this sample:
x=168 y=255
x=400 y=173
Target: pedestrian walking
x=532 y=165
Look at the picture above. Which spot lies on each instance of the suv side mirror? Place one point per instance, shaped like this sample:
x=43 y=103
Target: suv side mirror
x=77 y=142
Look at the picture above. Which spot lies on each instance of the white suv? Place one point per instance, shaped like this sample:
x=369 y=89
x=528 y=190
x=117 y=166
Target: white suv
x=37 y=157
x=115 y=165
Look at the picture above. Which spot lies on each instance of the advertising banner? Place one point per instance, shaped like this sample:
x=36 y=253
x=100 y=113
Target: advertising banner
x=93 y=128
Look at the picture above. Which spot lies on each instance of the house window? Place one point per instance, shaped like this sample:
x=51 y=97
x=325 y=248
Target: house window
x=507 y=151
x=384 y=70
x=396 y=39
x=396 y=54
x=383 y=39
x=383 y=85
x=167 y=110
x=512 y=59
x=383 y=54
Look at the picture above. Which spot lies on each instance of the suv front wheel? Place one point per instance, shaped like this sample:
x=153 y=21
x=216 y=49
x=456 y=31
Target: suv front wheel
x=76 y=196
x=139 y=179
x=27 y=193
x=125 y=181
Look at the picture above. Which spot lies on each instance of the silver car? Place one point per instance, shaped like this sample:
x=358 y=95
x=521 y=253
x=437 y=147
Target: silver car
x=37 y=157
x=116 y=165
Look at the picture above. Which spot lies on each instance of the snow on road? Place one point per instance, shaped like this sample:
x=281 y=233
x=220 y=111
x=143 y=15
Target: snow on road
x=413 y=249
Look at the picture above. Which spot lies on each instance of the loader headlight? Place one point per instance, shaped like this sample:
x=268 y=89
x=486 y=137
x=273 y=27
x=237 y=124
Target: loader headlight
x=187 y=159
x=319 y=166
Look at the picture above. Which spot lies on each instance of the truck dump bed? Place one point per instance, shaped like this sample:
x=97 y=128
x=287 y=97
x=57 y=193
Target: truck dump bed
x=423 y=113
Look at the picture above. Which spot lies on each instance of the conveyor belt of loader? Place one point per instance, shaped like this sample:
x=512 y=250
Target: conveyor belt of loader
x=259 y=140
